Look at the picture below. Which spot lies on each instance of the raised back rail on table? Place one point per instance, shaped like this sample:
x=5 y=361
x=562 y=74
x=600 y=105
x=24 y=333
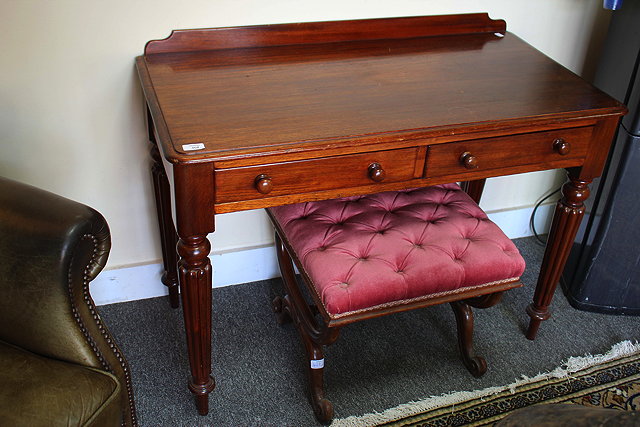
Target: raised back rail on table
x=306 y=33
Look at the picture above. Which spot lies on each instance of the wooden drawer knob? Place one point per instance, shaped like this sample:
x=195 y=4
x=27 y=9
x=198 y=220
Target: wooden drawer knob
x=468 y=160
x=561 y=146
x=263 y=184
x=376 y=173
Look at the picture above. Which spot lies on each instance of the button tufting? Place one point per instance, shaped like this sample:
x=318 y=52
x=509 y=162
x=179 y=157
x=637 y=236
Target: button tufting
x=448 y=259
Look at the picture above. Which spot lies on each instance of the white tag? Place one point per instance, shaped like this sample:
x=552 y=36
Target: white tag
x=317 y=364
x=191 y=147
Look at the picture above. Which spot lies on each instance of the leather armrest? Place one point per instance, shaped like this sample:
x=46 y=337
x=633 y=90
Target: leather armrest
x=49 y=247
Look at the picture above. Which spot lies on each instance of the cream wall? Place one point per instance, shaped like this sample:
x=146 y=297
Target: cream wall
x=71 y=111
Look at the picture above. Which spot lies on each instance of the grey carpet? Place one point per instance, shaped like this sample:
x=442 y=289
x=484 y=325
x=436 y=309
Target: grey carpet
x=374 y=365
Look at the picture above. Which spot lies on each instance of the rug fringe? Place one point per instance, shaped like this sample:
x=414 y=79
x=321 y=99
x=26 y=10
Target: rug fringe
x=572 y=365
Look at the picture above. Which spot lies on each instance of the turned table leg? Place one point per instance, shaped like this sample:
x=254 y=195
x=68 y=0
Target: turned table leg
x=194 y=270
x=168 y=237
x=474 y=189
x=566 y=220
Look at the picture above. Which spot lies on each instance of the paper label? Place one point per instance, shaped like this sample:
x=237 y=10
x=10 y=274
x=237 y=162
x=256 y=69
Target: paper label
x=317 y=364
x=191 y=147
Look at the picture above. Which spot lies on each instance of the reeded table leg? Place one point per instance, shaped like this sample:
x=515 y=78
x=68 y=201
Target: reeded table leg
x=168 y=237
x=474 y=189
x=195 y=281
x=566 y=220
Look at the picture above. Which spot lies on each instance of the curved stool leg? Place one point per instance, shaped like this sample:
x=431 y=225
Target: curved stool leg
x=322 y=407
x=286 y=311
x=464 y=320
x=281 y=310
x=485 y=301
x=314 y=334
x=279 y=307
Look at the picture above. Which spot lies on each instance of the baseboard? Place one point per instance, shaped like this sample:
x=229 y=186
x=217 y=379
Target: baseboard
x=143 y=281
x=250 y=265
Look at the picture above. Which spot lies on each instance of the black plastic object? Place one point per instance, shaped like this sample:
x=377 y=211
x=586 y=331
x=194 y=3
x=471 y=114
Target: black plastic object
x=603 y=270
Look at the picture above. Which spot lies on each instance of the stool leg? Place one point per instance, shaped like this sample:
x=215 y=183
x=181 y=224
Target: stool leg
x=314 y=334
x=485 y=301
x=322 y=407
x=281 y=310
x=464 y=321
x=279 y=307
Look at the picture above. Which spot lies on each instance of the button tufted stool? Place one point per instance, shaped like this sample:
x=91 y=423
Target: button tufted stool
x=367 y=256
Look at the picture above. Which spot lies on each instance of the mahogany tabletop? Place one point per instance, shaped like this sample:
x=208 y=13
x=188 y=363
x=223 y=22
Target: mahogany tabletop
x=247 y=99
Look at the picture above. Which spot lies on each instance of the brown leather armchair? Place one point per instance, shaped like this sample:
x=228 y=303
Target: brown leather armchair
x=59 y=364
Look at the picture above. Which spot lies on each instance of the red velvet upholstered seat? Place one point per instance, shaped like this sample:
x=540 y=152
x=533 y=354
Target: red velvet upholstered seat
x=368 y=256
x=386 y=249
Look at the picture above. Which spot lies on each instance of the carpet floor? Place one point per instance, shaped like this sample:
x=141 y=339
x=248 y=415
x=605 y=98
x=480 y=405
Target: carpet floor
x=374 y=365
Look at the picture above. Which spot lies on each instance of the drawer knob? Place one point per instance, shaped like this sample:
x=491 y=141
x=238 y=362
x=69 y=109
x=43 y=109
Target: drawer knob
x=263 y=184
x=376 y=173
x=468 y=160
x=561 y=146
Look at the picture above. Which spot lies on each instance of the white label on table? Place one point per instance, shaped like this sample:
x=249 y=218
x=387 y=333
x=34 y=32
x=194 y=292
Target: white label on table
x=191 y=147
x=317 y=364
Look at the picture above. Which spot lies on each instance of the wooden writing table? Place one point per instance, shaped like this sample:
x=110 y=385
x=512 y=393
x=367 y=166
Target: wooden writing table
x=250 y=117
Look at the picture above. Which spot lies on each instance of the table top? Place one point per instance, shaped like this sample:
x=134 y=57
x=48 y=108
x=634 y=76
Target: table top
x=235 y=98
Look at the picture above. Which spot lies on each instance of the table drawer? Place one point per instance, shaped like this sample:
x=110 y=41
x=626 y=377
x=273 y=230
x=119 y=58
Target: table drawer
x=353 y=170
x=549 y=149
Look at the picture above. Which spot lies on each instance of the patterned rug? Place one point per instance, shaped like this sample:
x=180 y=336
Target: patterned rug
x=608 y=381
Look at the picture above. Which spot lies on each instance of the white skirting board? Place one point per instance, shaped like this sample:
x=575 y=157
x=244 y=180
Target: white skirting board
x=250 y=265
